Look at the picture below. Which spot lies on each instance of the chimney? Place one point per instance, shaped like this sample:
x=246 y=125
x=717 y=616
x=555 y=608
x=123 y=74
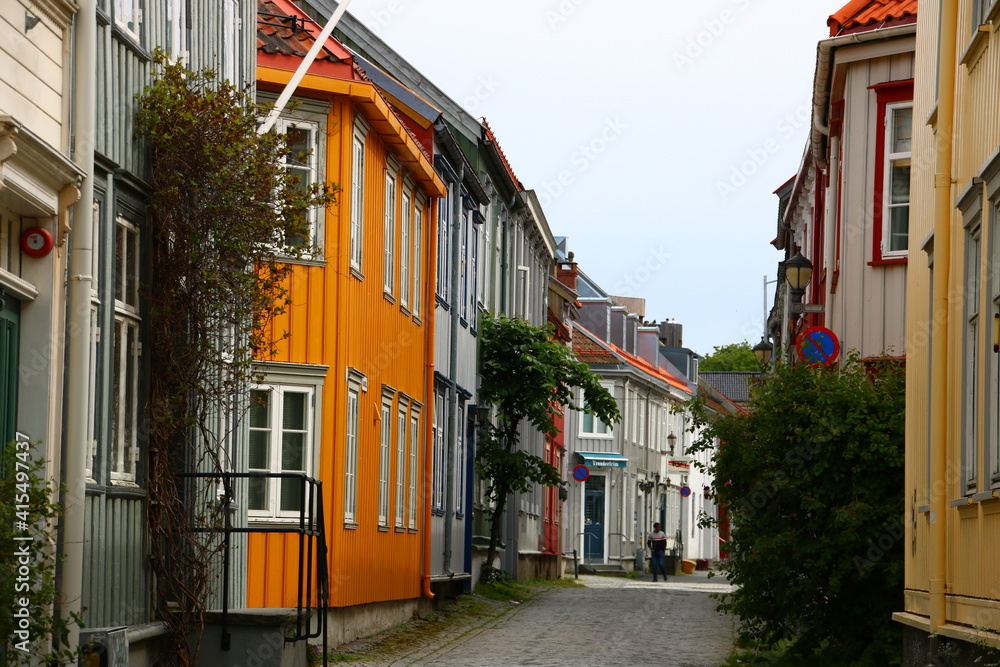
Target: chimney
x=671 y=334
x=649 y=344
x=617 y=326
x=566 y=272
x=631 y=334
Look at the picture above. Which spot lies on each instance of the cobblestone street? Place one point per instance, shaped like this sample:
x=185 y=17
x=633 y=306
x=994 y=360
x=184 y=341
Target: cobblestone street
x=612 y=621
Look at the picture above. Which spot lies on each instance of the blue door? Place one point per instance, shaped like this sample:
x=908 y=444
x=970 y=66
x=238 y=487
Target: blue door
x=593 y=520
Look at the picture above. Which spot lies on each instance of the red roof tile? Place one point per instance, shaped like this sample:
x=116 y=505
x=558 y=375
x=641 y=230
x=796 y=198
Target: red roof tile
x=592 y=351
x=865 y=15
x=491 y=138
x=281 y=28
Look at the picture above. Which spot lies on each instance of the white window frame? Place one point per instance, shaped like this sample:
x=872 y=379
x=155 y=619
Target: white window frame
x=444 y=244
x=389 y=231
x=359 y=137
x=127 y=350
x=901 y=159
x=418 y=259
x=384 y=463
x=590 y=425
x=309 y=169
x=357 y=384
x=275 y=459
x=405 y=230
x=178 y=18
x=95 y=341
x=414 y=476
x=460 y=460
x=402 y=428
x=128 y=18
x=437 y=491
x=973 y=328
x=231 y=27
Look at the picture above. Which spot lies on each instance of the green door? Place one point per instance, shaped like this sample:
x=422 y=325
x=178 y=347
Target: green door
x=9 y=325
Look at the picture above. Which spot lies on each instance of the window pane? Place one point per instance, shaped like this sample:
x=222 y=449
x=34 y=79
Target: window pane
x=260 y=409
x=899 y=224
x=291 y=495
x=119 y=263
x=900 y=184
x=902 y=130
x=292 y=452
x=293 y=413
x=257 y=494
x=258 y=450
x=131 y=268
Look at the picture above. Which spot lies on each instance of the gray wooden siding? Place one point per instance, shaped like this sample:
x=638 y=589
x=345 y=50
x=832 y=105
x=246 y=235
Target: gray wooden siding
x=118 y=585
x=868 y=309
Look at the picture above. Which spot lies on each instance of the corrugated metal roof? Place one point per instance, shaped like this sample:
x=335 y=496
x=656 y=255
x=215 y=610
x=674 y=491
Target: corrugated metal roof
x=864 y=15
x=734 y=385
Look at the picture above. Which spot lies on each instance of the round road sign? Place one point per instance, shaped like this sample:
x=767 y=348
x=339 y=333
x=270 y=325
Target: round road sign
x=818 y=346
x=581 y=473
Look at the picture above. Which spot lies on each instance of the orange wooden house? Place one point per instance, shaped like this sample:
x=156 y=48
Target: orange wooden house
x=346 y=397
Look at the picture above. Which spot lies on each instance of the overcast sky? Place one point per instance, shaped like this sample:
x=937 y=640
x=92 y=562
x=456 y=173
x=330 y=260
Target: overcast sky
x=655 y=132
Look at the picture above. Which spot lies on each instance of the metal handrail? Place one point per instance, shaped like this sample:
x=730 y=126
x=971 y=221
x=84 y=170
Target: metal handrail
x=311 y=526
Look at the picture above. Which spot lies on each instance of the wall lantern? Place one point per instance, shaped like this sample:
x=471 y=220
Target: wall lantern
x=798 y=272
x=671 y=441
x=762 y=351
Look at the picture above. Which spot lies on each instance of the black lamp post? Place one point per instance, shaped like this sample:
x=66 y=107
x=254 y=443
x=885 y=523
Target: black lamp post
x=671 y=440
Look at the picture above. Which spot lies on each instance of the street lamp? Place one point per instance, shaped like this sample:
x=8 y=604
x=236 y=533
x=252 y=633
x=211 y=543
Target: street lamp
x=798 y=271
x=762 y=351
x=671 y=440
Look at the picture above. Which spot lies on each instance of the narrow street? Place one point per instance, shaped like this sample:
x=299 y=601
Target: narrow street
x=611 y=621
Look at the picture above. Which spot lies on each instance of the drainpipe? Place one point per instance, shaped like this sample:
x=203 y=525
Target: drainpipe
x=940 y=321
x=453 y=426
x=78 y=387
x=832 y=206
x=431 y=404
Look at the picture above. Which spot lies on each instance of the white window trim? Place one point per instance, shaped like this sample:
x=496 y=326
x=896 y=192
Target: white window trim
x=414 y=476
x=129 y=12
x=390 y=231
x=124 y=452
x=437 y=489
x=386 y=423
x=357 y=384
x=361 y=129
x=315 y=213
x=418 y=260
x=405 y=246
x=402 y=426
x=902 y=158
x=609 y=433
x=305 y=378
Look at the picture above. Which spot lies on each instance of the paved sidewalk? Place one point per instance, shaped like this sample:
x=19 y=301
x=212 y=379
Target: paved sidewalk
x=612 y=621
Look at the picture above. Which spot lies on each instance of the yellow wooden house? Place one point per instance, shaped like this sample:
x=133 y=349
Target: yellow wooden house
x=952 y=516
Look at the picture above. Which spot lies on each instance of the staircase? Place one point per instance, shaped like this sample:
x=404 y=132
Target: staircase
x=607 y=569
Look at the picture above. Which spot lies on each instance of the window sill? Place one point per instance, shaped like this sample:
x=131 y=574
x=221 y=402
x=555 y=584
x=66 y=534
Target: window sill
x=356 y=272
x=885 y=261
x=437 y=512
x=302 y=261
x=348 y=525
x=441 y=302
x=977 y=46
x=383 y=529
x=388 y=297
x=416 y=320
x=405 y=310
x=400 y=529
x=118 y=490
x=130 y=42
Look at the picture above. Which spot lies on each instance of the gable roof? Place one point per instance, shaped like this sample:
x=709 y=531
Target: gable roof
x=865 y=15
x=734 y=385
x=283 y=29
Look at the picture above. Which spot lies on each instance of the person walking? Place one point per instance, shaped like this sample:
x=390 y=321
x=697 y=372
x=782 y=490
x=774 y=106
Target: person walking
x=657 y=543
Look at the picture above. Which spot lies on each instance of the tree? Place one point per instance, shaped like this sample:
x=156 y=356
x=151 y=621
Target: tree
x=526 y=375
x=224 y=214
x=812 y=477
x=732 y=357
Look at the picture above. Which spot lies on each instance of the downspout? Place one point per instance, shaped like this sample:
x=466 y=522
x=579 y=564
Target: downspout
x=430 y=393
x=830 y=216
x=81 y=281
x=943 y=136
x=456 y=257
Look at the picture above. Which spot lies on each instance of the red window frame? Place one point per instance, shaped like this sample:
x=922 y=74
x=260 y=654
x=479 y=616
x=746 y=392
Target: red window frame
x=891 y=92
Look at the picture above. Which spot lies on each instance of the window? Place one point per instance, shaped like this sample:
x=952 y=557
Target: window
x=896 y=196
x=440 y=419
x=128 y=17
x=356 y=384
x=125 y=371
x=358 y=194
x=972 y=331
x=464 y=267
x=994 y=365
x=460 y=460
x=414 y=464
x=180 y=29
x=385 y=444
x=444 y=245
x=402 y=427
x=389 y=251
x=95 y=346
x=231 y=47
x=404 y=252
x=301 y=162
x=474 y=295
x=591 y=425
x=281 y=441
x=418 y=259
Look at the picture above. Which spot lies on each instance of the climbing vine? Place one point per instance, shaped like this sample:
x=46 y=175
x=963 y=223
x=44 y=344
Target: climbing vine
x=224 y=216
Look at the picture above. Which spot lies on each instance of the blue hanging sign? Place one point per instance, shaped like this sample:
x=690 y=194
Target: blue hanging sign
x=818 y=346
